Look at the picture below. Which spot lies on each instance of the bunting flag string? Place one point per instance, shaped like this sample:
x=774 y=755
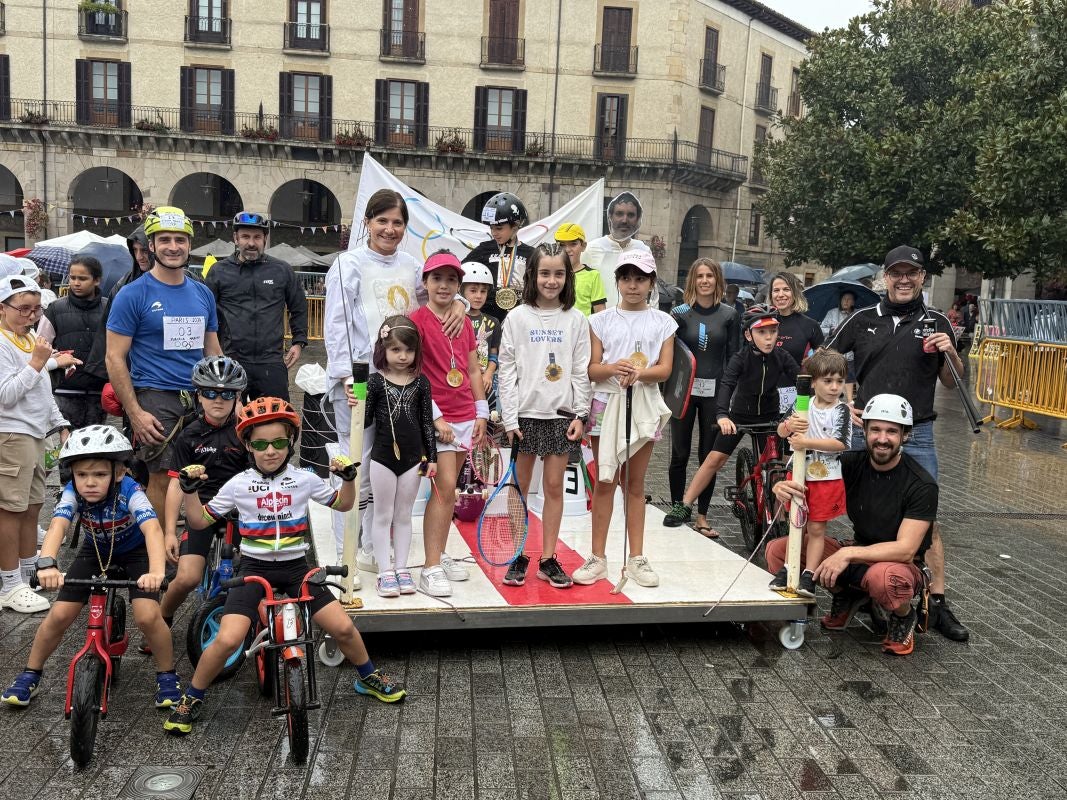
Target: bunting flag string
x=214 y=223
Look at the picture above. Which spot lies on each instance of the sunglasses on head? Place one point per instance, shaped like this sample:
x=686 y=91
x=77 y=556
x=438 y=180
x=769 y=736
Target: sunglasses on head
x=260 y=445
x=213 y=394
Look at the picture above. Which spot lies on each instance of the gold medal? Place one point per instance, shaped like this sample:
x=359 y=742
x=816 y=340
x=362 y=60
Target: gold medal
x=396 y=450
x=638 y=359
x=817 y=470
x=553 y=371
x=454 y=378
x=507 y=298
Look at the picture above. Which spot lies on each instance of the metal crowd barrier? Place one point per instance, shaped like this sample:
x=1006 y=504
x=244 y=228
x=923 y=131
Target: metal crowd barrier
x=316 y=319
x=1020 y=363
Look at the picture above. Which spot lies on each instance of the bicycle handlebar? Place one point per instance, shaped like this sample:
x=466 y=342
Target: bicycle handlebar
x=341 y=570
x=765 y=427
x=105 y=583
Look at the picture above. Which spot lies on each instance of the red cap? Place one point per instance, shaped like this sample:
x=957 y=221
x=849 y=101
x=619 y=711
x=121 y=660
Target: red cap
x=442 y=261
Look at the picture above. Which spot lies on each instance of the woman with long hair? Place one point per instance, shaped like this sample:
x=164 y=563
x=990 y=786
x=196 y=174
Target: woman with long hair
x=798 y=334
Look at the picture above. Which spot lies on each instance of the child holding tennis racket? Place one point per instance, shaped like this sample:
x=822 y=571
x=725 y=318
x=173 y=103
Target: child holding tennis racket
x=631 y=350
x=451 y=366
x=544 y=357
x=399 y=407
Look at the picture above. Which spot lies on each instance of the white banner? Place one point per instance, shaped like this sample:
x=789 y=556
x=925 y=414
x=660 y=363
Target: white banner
x=433 y=227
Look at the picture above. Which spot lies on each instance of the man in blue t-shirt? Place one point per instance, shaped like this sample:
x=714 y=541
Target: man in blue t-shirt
x=158 y=328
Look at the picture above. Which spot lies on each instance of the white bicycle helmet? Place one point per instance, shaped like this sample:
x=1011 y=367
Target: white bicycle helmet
x=889 y=408
x=475 y=272
x=95 y=441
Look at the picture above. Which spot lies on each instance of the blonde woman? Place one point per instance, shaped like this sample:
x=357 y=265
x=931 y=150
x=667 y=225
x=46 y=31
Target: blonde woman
x=798 y=334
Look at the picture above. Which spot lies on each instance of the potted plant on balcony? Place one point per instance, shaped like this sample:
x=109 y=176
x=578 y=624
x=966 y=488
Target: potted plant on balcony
x=33 y=118
x=535 y=147
x=451 y=141
x=105 y=13
x=267 y=133
x=356 y=139
x=145 y=124
x=34 y=218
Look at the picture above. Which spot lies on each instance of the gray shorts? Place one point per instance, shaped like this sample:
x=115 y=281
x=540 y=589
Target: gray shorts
x=170 y=409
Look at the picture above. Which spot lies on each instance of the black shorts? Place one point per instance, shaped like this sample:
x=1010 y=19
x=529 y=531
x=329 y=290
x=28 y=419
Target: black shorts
x=86 y=565
x=198 y=543
x=284 y=576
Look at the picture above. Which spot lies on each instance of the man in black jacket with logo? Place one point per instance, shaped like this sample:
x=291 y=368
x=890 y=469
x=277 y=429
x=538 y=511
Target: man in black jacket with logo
x=253 y=291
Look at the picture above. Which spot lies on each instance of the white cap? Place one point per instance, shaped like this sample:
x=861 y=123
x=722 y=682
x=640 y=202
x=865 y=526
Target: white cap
x=11 y=285
x=888 y=408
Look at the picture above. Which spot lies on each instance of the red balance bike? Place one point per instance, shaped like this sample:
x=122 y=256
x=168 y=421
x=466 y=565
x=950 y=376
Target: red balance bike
x=282 y=641
x=751 y=499
x=95 y=667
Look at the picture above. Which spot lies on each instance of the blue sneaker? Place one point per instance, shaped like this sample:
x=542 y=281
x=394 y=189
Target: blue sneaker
x=24 y=688
x=168 y=690
x=380 y=685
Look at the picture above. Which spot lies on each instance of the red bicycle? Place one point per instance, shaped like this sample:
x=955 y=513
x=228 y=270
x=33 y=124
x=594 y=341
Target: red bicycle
x=282 y=666
x=95 y=667
x=751 y=500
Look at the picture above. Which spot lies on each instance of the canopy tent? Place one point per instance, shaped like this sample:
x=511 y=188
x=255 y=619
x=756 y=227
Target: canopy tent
x=317 y=258
x=76 y=241
x=218 y=248
x=292 y=256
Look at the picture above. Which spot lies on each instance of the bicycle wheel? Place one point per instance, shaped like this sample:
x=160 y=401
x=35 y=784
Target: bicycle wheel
x=202 y=630
x=267 y=672
x=85 y=708
x=745 y=505
x=780 y=527
x=210 y=564
x=296 y=703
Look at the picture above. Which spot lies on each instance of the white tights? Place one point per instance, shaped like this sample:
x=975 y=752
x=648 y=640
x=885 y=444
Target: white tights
x=394 y=497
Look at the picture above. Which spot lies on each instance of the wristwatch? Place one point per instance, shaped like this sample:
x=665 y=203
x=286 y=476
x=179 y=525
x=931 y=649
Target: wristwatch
x=45 y=562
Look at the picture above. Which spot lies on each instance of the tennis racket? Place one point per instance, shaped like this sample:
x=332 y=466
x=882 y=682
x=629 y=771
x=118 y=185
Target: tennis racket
x=504 y=522
x=485 y=462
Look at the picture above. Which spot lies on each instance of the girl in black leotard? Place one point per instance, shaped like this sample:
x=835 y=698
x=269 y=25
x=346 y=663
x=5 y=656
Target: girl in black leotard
x=399 y=407
x=711 y=330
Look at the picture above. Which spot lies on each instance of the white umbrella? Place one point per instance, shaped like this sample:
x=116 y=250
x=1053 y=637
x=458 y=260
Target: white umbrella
x=74 y=241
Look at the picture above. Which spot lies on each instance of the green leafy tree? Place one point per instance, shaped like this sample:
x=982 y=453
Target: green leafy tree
x=886 y=152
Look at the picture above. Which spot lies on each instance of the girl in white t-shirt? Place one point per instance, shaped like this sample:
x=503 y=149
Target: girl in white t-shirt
x=544 y=359
x=631 y=345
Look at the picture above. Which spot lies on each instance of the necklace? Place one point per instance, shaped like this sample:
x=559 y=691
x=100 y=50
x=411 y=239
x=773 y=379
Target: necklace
x=23 y=341
x=394 y=412
x=553 y=371
x=506 y=297
x=453 y=377
x=111 y=530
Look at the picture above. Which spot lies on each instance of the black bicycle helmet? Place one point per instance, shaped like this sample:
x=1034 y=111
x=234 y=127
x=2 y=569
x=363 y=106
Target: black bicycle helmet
x=758 y=317
x=504 y=207
x=221 y=373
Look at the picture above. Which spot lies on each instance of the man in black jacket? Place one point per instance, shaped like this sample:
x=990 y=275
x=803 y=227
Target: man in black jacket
x=253 y=291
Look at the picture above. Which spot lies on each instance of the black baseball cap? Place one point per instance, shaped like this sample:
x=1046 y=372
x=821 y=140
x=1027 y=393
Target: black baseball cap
x=905 y=254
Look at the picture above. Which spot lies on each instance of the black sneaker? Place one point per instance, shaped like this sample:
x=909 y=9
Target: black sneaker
x=806 y=587
x=944 y=621
x=778 y=582
x=679 y=514
x=183 y=716
x=516 y=575
x=548 y=569
x=843 y=605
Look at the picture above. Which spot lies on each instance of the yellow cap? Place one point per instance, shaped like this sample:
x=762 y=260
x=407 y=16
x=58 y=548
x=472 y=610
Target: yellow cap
x=569 y=232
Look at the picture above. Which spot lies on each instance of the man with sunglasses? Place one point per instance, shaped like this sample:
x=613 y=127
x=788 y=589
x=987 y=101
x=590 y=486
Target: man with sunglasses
x=253 y=292
x=901 y=347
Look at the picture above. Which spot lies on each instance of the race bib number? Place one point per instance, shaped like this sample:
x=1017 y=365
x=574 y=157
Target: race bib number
x=703 y=387
x=787 y=395
x=183 y=333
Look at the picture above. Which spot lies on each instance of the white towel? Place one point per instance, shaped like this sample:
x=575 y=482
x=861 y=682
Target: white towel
x=648 y=416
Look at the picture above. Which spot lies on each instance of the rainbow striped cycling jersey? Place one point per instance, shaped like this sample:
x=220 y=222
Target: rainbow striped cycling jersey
x=272 y=513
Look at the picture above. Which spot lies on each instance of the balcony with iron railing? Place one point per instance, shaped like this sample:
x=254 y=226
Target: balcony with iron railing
x=407 y=46
x=706 y=166
x=212 y=31
x=766 y=98
x=614 y=61
x=712 y=76
x=102 y=26
x=503 y=52
x=794 y=106
x=307 y=38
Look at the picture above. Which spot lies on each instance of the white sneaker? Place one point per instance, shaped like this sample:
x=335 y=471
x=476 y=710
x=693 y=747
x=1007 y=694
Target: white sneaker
x=24 y=600
x=365 y=561
x=640 y=572
x=453 y=569
x=591 y=571
x=434 y=582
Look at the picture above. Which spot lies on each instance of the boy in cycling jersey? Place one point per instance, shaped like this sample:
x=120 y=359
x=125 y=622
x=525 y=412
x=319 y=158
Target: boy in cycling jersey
x=209 y=440
x=121 y=530
x=271 y=501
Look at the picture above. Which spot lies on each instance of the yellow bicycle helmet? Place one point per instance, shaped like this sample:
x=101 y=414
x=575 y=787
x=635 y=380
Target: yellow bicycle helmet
x=167 y=218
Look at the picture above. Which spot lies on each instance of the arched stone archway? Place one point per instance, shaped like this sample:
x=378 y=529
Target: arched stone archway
x=103 y=199
x=12 y=232
x=696 y=228
x=473 y=209
x=300 y=209
x=206 y=197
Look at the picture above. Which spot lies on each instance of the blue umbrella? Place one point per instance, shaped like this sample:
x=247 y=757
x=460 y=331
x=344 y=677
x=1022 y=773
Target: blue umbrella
x=733 y=272
x=827 y=295
x=53 y=260
x=856 y=272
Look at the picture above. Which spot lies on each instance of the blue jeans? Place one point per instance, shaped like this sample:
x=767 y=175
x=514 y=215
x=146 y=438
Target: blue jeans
x=920 y=445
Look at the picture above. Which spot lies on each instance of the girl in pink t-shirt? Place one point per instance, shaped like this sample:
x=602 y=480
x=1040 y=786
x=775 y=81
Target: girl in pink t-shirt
x=452 y=367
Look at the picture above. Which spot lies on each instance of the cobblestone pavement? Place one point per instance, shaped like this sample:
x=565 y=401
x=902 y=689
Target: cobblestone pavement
x=657 y=712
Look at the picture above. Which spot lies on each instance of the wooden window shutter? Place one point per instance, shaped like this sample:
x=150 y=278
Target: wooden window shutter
x=620 y=136
x=481 y=115
x=5 y=87
x=518 y=122
x=83 y=88
x=422 y=114
x=598 y=134
x=228 y=114
x=125 y=95
x=326 y=108
x=285 y=103
x=381 y=110
x=187 y=99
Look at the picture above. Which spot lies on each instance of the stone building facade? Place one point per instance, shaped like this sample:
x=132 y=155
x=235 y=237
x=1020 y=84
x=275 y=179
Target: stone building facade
x=220 y=104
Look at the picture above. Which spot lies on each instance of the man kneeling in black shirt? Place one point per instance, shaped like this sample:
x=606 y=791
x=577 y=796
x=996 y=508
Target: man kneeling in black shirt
x=892 y=503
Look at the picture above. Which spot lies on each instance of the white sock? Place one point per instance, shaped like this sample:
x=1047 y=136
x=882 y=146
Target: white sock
x=28 y=567
x=12 y=579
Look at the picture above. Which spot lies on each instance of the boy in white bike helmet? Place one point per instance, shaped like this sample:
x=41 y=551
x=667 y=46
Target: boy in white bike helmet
x=120 y=531
x=477 y=281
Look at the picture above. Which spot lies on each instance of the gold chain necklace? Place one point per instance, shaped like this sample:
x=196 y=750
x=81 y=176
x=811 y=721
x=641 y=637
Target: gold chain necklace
x=17 y=339
x=111 y=549
x=399 y=404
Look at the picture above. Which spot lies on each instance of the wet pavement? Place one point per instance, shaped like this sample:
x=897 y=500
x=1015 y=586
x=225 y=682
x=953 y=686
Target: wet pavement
x=655 y=712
